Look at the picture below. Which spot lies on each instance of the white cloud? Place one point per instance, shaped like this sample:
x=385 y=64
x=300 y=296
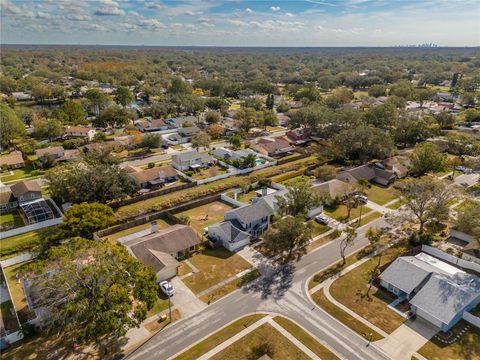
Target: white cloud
x=275 y=8
x=248 y=10
x=79 y=17
x=152 y=24
x=43 y=15
x=153 y=5
x=289 y=14
x=109 y=8
x=237 y=22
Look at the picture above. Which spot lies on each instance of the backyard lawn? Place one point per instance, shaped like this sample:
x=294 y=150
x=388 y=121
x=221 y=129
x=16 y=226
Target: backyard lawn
x=11 y=220
x=161 y=224
x=248 y=346
x=215 y=265
x=19 y=243
x=219 y=337
x=466 y=347
x=208 y=172
x=206 y=215
x=350 y=290
x=246 y=197
x=17 y=293
x=380 y=195
x=340 y=213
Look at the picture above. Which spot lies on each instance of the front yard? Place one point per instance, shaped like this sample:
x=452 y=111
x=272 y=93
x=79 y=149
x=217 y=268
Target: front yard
x=340 y=213
x=205 y=215
x=215 y=265
x=381 y=196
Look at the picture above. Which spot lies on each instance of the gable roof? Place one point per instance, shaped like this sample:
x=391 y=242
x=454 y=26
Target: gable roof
x=368 y=172
x=6 y=195
x=25 y=186
x=443 y=297
x=78 y=129
x=172 y=240
x=146 y=175
x=333 y=188
x=189 y=130
x=14 y=158
x=51 y=150
x=250 y=213
x=231 y=231
x=191 y=155
x=272 y=145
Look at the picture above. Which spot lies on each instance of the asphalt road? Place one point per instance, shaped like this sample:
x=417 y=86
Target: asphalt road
x=284 y=293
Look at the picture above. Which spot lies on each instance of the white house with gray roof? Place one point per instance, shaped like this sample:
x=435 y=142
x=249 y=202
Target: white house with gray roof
x=437 y=291
x=191 y=160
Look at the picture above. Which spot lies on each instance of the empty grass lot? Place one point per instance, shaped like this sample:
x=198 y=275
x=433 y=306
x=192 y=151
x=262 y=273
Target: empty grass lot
x=206 y=215
x=467 y=347
x=219 y=337
x=340 y=213
x=380 y=195
x=281 y=347
x=215 y=265
x=350 y=290
x=305 y=338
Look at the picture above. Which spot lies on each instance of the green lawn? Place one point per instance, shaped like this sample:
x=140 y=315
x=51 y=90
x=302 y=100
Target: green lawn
x=11 y=220
x=340 y=213
x=249 y=346
x=305 y=338
x=9 y=318
x=20 y=243
x=380 y=195
x=395 y=205
x=219 y=337
x=17 y=293
x=318 y=229
x=350 y=290
x=231 y=286
x=208 y=172
x=20 y=174
x=368 y=218
x=215 y=265
x=246 y=197
x=160 y=305
x=467 y=347
x=206 y=215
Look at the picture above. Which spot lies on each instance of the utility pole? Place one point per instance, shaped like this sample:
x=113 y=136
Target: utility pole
x=169 y=308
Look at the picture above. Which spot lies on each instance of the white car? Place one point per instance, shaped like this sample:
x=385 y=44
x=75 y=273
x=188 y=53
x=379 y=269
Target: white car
x=321 y=219
x=363 y=199
x=167 y=288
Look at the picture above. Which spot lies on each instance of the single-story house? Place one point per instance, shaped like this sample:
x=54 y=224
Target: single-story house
x=334 y=189
x=25 y=191
x=84 y=132
x=183 y=136
x=400 y=165
x=147 y=125
x=273 y=146
x=226 y=154
x=298 y=136
x=283 y=119
x=437 y=291
x=14 y=160
x=58 y=154
x=370 y=172
x=22 y=96
x=191 y=160
x=126 y=141
x=7 y=200
x=179 y=121
x=161 y=249
x=152 y=178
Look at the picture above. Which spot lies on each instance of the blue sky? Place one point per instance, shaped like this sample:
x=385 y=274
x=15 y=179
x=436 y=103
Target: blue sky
x=242 y=23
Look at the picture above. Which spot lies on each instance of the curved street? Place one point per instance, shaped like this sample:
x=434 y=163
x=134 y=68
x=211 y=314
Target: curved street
x=282 y=291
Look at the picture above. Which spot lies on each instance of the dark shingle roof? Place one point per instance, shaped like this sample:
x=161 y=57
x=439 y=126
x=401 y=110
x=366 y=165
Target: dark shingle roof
x=24 y=186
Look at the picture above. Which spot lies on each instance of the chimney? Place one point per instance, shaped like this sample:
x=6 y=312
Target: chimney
x=153 y=227
x=264 y=191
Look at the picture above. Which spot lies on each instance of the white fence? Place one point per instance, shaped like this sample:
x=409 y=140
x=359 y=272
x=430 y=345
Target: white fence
x=472 y=319
x=17 y=259
x=32 y=227
x=450 y=258
x=231 y=201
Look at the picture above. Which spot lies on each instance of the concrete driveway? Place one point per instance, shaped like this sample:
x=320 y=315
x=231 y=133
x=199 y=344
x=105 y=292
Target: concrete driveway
x=407 y=339
x=468 y=179
x=185 y=300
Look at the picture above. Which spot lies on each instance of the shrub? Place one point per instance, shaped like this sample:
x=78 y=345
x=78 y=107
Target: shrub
x=151 y=165
x=416 y=239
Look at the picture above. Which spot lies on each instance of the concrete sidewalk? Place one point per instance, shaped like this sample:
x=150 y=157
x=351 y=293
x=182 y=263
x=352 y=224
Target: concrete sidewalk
x=185 y=300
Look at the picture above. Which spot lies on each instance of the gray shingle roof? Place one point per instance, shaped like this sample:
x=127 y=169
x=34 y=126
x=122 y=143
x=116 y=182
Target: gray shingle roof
x=443 y=297
x=231 y=231
x=250 y=213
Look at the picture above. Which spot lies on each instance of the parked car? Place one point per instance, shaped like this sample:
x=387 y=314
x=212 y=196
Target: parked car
x=321 y=219
x=362 y=198
x=167 y=288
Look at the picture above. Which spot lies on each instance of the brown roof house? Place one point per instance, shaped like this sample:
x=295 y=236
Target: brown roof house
x=273 y=146
x=147 y=125
x=334 y=189
x=375 y=173
x=298 y=136
x=400 y=165
x=57 y=153
x=161 y=248
x=151 y=178
x=14 y=160
x=7 y=200
x=25 y=191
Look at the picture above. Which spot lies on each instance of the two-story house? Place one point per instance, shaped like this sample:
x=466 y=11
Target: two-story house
x=191 y=160
x=25 y=191
x=83 y=132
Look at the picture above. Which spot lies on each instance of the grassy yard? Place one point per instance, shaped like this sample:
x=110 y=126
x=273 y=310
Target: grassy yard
x=208 y=172
x=340 y=213
x=368 y=218
x=249 y=346
x=206 y=215
x=330 y=271
x=178 y=147
x=357 y=326
x=11 y=220
x=215 y=265
x=318 y=229
x=350 y=290
x=160 y=305
x=20 y=174
x=395 y=205
x=219 y=337
x=380 y=195
x=246 y=197
x=20 y=243
x=467 y=347
x=305 y=338
x=232 y=286
x=162 y=224
x=17 y=293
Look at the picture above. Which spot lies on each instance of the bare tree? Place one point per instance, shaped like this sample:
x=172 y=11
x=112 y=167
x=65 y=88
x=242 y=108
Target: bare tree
x=347 y=241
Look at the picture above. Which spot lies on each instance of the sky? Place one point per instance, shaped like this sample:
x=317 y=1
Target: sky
x=241 y=23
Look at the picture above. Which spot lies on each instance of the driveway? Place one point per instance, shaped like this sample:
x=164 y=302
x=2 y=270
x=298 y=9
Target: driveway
x=407 y=339
x=469 y=179
x=185 y=300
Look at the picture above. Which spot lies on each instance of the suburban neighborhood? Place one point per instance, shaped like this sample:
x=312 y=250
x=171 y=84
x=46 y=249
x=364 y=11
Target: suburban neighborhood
x=245 y=203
